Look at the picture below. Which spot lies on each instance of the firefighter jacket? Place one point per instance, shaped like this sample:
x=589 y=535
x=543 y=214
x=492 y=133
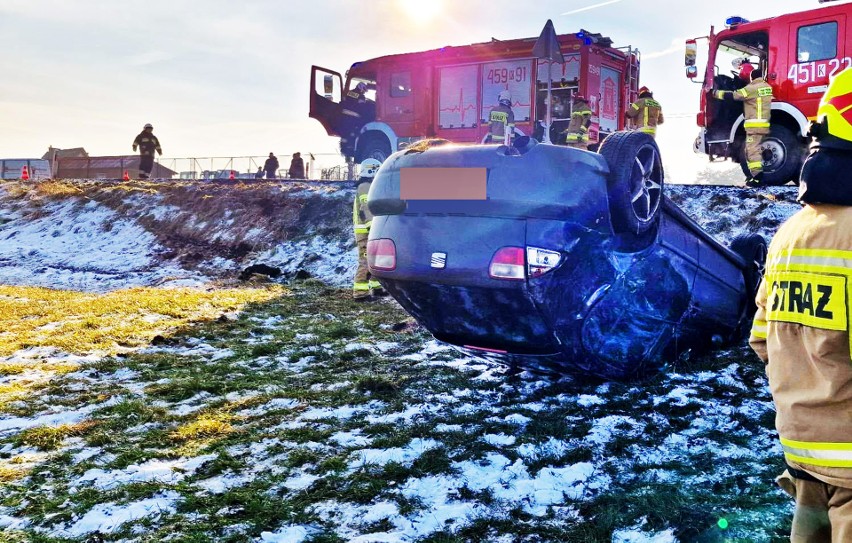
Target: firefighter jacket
x=757 y=104
x=501 y=118
x=147 y=143
x=646 y=113
x=801 y=331
x=361 y=216
x=581 y=119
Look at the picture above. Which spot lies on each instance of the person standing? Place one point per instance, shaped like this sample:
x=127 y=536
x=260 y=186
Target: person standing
x=147 y=143
x=645 y=113
x=297 y=167
x=271 y=166
x=501 y=119
x=577 y=133
x=362 y=219
x=757 y=105
x=802 y=330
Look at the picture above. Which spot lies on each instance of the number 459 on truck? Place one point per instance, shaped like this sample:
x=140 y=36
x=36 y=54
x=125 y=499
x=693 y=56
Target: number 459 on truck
x=389 y=102
x=797 y=53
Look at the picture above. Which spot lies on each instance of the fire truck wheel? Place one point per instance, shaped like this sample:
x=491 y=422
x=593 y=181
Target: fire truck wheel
x=635 y=184
x=752 y=249
x=374 y=146
x=782 y=157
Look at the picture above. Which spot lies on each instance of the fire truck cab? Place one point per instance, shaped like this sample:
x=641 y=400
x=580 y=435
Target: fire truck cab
x=387 y=103
x=797 y=52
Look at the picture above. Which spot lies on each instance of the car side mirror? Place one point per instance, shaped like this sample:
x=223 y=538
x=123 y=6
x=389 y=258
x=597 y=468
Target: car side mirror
x=691 y=72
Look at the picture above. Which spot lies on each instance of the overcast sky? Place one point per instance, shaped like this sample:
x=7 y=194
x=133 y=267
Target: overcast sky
x=226 y=78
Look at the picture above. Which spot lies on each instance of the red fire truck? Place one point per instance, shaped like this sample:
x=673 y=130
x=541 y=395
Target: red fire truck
x=449 y=92
x=797 y=52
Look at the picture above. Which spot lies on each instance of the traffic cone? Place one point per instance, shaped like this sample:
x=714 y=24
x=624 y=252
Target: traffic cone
x=25 y=173
x=126 y=176
x=232 y=175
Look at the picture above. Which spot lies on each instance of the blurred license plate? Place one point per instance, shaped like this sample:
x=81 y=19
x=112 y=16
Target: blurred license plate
x=443 y=183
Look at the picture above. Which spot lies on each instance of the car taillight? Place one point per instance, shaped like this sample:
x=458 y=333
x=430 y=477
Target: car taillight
x=508 y=263
x=541 y=261
x=700 y=119
x=381 y=254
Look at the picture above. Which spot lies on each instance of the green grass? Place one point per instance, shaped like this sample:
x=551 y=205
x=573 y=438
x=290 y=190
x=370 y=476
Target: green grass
x=148 y=420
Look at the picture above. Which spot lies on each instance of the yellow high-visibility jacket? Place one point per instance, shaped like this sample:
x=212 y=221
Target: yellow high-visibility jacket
x=361 y=216
x=646 y=113
x=801 y=331
x=757 y=104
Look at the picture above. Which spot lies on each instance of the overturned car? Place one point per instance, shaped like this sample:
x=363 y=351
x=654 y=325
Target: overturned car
x=556 y=259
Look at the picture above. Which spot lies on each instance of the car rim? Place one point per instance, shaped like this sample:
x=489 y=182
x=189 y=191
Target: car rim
x=646 y=183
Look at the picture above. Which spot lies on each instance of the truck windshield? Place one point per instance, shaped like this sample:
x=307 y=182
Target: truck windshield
x=733 y=52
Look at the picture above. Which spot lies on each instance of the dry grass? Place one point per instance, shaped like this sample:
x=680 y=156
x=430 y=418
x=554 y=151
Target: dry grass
x=79 y=323
x=49 y=438
x=204 y=427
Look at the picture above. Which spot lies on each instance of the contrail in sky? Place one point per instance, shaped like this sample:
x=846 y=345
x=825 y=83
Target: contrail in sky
x=587 y=8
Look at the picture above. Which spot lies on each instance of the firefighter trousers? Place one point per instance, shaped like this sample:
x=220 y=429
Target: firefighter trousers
x=361 y=286
x=823 y=511
x=754 y=151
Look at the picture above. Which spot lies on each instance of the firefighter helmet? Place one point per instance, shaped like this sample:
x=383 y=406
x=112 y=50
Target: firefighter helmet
x=505 y=97
x=369 y=168
x=644 y=90
x=361 y=87
x=832 y=128
x=148 y=125
x=579 y=98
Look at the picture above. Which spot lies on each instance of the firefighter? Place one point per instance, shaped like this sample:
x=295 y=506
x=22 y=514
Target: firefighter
x=757 y=104
x=502 y=119
x=147 y=143
x=364 y=284
x=357 y=110
x=577 y=133
x=802 y=331
x=645 y=113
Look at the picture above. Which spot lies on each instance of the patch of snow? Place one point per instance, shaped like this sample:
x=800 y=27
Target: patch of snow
x=161 y=471
x=401 y=455
x=108 y=518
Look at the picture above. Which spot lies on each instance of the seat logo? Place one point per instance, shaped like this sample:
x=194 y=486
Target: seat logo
x=439 y=261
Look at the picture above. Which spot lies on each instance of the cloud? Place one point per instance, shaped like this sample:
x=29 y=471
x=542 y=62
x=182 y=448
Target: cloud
x=595 y=6
x=153 y=57
x=676 y=46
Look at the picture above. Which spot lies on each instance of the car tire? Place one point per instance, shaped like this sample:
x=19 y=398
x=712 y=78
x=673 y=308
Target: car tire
x=785 y=155
x=635 y=185
x=752 y=249
x=374 y=146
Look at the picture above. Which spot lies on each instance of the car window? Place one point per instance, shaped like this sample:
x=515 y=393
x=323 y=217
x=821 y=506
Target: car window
x=400 y=84
x=817 y=42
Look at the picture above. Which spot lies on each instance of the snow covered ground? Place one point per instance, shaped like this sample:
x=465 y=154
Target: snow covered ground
x=314 y=419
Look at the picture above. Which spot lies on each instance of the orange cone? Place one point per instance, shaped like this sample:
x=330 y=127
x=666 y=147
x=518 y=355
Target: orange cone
x=25 y=173
x=233 y=175
x=126 y=176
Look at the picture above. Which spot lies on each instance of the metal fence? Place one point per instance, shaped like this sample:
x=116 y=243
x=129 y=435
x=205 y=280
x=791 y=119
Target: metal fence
x=319 y=166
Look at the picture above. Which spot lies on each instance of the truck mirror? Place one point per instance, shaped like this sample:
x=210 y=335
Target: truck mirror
x=690 y=53
x=691 y=72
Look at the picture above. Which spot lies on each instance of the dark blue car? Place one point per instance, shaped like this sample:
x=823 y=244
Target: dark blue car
x=552 y=258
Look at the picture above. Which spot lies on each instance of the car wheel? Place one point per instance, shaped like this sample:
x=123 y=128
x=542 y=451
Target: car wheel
x=374 y=147
x=782 y=157
x=635 y=180
x=752 y=249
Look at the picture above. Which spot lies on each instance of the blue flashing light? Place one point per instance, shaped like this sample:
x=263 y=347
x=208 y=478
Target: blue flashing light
x=735 y=21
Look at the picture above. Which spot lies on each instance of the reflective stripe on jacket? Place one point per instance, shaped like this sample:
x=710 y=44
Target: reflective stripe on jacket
x=801 y=330
x=501 y=118
x=581 y=119
x=361 y=216
x=646 y=114
x=757 y=103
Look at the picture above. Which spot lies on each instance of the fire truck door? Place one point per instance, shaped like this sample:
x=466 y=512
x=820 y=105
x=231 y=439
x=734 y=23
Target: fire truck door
x=817 y=49
x=398 y=97
x=326 y=93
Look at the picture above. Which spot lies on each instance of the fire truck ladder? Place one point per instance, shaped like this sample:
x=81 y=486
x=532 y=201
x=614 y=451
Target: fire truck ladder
x=631 y=92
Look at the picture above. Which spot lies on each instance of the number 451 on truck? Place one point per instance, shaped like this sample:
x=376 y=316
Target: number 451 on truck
x=797 y=53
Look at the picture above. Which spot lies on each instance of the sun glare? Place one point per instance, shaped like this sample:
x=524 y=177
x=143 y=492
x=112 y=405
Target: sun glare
x=421 y=11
